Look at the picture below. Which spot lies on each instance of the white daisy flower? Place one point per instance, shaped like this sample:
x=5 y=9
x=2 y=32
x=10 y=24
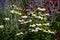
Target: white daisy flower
x=7 y=18
x=24 y=16
x=49 y=31
x=41 y=9
x=37 y=28
x=19 y=13
x=47 y=14
x=40 y=29
x=14 y=5
x=22 y=23
x=45 y=19
x=20 y=20
x=1 y=26
x=39 y=17
x=44 y=30
x=26 y=22
x=32 y=25
x=19 y=33
x=12 y=11
x=30 y=20
x=42 y=14
x=39 y=24
x=33 y=30
x=47 y=24
x=42 y=18
x=33 y=14
x=52 y=32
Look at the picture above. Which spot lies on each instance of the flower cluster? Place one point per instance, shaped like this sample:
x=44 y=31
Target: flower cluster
x=37 y=29
x=35 y=19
